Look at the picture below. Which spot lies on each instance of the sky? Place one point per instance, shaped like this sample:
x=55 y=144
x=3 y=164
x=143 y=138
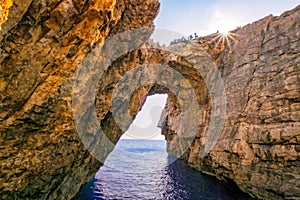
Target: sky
x=179 y=18
x=185 y=17
x=145 y=124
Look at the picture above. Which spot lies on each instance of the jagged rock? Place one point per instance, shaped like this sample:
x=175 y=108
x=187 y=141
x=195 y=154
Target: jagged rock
x=259 y=144
x=43 y=44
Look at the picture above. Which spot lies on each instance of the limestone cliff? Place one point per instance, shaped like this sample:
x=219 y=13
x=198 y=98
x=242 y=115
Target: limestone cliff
x=43 y=43
x=259 y=147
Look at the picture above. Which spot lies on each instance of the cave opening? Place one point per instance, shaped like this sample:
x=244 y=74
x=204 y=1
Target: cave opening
x=133 y=168
x=140 y=167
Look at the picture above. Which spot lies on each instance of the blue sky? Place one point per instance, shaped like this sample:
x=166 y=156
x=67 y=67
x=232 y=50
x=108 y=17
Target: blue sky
x=207 y=16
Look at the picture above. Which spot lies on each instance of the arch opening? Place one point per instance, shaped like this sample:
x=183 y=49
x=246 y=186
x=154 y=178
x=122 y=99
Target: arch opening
x=146 y=124
x=140 y=166
x=126 y=84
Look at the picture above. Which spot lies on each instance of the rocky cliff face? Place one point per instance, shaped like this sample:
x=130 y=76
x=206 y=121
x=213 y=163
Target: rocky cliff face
x=43 y=43
x=259 y=144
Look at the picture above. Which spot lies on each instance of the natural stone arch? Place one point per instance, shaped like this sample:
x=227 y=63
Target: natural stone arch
x=134 y=62
x=38 y=133
x=194 y=77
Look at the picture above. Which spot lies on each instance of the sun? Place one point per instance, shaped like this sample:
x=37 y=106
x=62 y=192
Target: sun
x=224 y=32
x=225 y=27
x=224 y=38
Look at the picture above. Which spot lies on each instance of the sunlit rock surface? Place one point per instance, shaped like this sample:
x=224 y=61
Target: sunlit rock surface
x=259 y=147
x=44 y=42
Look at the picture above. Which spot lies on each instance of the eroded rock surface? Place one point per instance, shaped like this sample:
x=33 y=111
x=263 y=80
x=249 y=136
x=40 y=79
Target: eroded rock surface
x=260 y=142
x=43 y=43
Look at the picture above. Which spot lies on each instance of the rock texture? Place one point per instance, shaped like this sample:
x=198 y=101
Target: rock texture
x=4 y=10
x=41 y=44
x=44 y=42
x=259 y=147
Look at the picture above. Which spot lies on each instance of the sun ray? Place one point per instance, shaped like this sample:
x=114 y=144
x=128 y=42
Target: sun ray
x=221 y=40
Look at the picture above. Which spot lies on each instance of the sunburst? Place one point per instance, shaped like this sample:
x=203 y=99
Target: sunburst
x=224 y=39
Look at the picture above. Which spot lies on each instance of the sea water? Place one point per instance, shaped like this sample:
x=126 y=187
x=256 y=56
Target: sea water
x=142 y=169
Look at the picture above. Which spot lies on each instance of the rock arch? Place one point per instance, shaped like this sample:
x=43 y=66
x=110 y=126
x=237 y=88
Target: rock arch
x=134 y=76
x=42 y=43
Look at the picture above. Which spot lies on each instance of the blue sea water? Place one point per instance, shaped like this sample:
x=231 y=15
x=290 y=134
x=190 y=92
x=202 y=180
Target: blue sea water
x=142 y=169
